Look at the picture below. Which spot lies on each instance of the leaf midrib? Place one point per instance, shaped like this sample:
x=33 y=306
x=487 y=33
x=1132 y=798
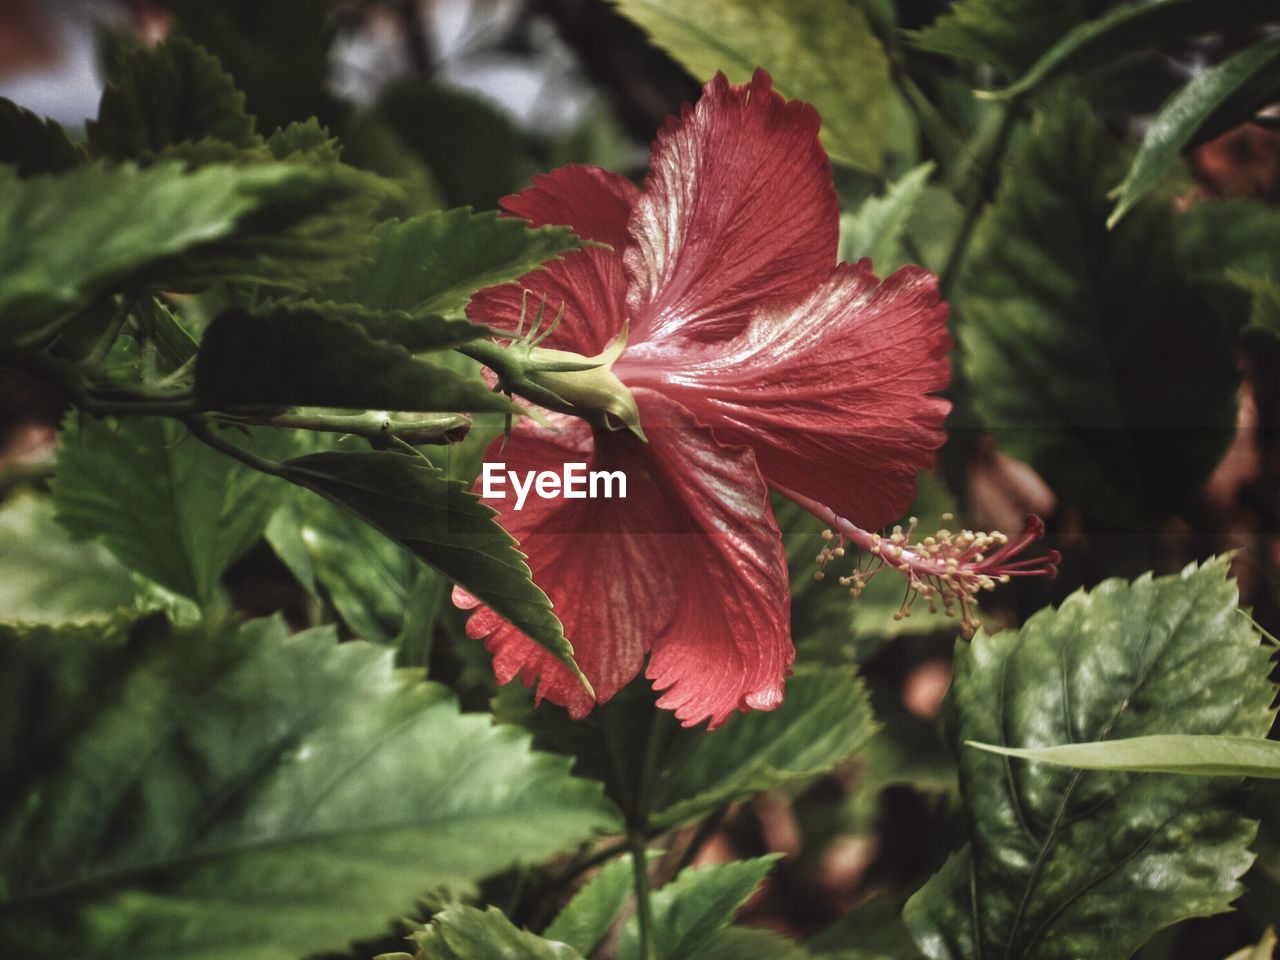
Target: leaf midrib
x=1052 y=836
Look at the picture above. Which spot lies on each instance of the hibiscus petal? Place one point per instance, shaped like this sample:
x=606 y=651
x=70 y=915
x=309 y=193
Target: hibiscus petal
x=738 y=208
x=690 y=565
x=832 y=393
x=590 y=284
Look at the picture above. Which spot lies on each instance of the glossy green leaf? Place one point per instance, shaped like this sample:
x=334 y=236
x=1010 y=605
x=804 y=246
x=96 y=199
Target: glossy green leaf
x=1009 y=34
x=75 y=237
x=445 y=524
x=306 y=357
x=35 y=144
x=47 y=578
x=170 y=93
x=1064 y=863
x=1204 y=756
x=1058 y=323
x=1183 y=114
x=465 y=933
x=820 y=51
x=243 y=794
x=585 y=920
x=692 y=909
x=824 y=719
x=164 y=503
x=1136 y=26
x=875 y=229
x=433 y=264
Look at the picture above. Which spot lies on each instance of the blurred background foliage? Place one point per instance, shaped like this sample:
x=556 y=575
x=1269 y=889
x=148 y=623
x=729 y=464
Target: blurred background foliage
x=1117 y=371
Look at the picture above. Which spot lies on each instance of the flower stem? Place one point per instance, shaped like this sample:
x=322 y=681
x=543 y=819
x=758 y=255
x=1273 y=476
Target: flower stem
x=644 y=907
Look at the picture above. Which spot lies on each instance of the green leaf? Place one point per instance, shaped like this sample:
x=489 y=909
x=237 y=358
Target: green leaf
x=821 y=51
x=691 y=910
x=872 y=931
x=433 y=264
x=475 y=154
x=243 y=794
x=1183 y=114
x=583 y=923
x=171 y=93
x=278 y=52
x=444 y=523
x=824 y=719
x=45 y=577
x=33 y=144
x=1010 y=34
x=465 y=933
x=305 y=357
x=1204 y=756
x=417 y=334
x=1218 y=238
x=1066 y=863
x=1058 y=323
x=73 y=238
x=1136 y=26
x=750 y=943
x=875 y=230
x=165 y=504
x=370 y=579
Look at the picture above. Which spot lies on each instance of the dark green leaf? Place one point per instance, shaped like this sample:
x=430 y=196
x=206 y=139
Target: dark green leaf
x=1137 y=26
x=821 y=51
x=1010 y=34
x=750 y=943
x=166 y=505
x=583 y=923
x=1064 y=863
x=75 y=237
x=35 y=145
x=303 y=357
x=1204 y=756
x=369 y=579
x=875 y=229
x=693 y=908
x=1183 y=114
x=277 y=51
x=171 y=93
x=1217 y=238
x=433 y=264
x=445 y=524
x=872 y=931
x=465 y=933
x=824 y=719
x=243 y=794
x=416 y=333
x=45 y=577
x=1090 y=354
x=473 y=151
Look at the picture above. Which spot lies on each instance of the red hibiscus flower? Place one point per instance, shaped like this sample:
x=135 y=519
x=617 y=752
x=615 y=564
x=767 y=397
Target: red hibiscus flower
x=755 y=360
